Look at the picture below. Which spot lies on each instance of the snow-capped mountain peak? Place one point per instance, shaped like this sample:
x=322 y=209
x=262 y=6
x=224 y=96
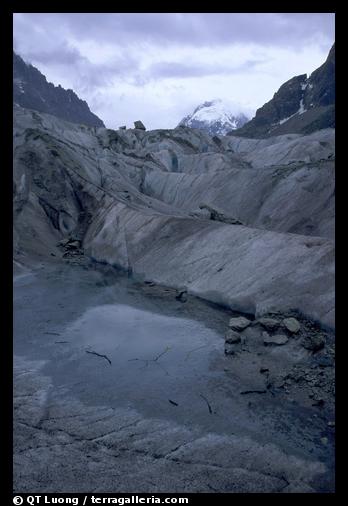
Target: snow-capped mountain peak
x=216 y=117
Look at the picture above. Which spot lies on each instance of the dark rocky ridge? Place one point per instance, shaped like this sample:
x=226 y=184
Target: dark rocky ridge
x=301 y=105
x=32 y=91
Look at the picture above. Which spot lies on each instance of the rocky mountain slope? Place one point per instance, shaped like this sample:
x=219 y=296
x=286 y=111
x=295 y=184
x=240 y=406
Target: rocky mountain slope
x=31 y=90
x=241 y=222
x=214 y=117
x=301 y=105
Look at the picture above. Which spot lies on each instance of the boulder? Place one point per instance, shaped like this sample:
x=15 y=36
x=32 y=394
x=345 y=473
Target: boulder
x=239 y=323
x=139 y=125
x=122 y=127
x=292 y=325
x=278 y=339
x=268 y=323
x=232 y=337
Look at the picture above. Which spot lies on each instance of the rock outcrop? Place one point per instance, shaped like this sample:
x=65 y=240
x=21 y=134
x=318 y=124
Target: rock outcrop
x=31 y=90
x=301 y=105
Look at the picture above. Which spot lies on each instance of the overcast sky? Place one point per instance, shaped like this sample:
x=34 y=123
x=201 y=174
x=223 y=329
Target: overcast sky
x=159 y=67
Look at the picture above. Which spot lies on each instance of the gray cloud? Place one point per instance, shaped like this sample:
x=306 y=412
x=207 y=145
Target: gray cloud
x=104 y=74
x=185 y=70
x=200 y=29
x=61 y=54
x=121 y=62
x=89 y=75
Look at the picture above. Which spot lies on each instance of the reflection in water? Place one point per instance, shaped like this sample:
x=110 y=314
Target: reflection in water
x=145 y=360
x=134 y=338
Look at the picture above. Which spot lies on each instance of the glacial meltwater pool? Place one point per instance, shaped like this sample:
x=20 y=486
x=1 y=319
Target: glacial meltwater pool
x=104 y=342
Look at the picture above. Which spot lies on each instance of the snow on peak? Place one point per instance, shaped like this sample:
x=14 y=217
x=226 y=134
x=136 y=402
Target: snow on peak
x=216 y=117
